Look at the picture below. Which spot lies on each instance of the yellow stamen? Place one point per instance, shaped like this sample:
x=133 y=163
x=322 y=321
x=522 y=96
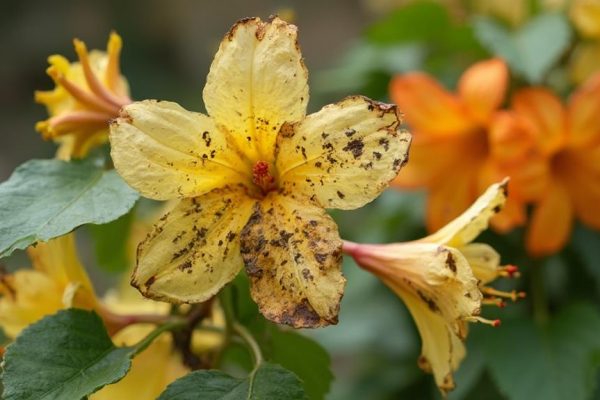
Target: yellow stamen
x=509 y=271
x=66 y=123
x=493 y=301
x=113 y=68
x=513 y=295
x=495 y=323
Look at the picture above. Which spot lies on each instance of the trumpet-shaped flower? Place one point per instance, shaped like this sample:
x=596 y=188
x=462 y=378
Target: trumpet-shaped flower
x=56 y=281
x=254 y=177
x=88 y=94
x=462 y=144
x=440 y=278
x=568 y=136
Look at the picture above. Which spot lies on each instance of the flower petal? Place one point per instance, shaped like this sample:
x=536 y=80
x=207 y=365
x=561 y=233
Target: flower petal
x=585 y=14
x=584 y=116
x=451 y=196
x=257 y=82
x=473 y=221
x=165 y=151
x=585 y=61
x=546 y=114
x=484 y=261
x=442 y=350
x=193 y=251
x=482 y=88
x=344 y=155
x=292 y=253
x=580 y=172
x=428 y=107
x=551 y=222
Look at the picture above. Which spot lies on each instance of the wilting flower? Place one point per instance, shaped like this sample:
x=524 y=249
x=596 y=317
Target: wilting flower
x=441 y=280
x=568 y=136
x=87 y=95
x=56 y=281
x=462 y=144
x=254 y=177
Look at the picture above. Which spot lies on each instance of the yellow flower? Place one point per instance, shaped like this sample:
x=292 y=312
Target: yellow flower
x=585 y=15
x=440 y=280
x=88 y=94
x=56 y=281
x=253 y=178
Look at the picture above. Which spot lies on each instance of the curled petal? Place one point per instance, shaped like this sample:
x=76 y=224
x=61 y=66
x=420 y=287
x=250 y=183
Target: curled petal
x=473 y=221
x=257 y=82
x=165 y=151
x=292 y=253
x=484 y=261
x=344 y=155
x=482 y=88
x=193 y=251
x=584 y=116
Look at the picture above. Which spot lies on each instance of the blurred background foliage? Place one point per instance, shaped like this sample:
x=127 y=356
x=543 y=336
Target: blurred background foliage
x=548 y=346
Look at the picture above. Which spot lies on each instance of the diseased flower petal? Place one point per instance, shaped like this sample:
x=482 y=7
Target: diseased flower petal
x=292 y=253
x=193 y=251
x=257 y=82
x=484 y=261
x=428 y=106
x=344 y=155
x=482 y=88
x=165 y=151
x=546 y=114
x=441 y=350
x=551 y=222
x=584 y=116
x=473 y=221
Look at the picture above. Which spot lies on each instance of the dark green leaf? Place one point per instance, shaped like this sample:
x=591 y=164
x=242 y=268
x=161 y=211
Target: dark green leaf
x=44 y=199
x=68 y=355
x=269 y=381
x=305 y=357
x=111 y=243
x=554 y=362
x=530 y=51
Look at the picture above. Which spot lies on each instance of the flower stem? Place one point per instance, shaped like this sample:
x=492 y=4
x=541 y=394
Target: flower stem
x=249 y=339
x=170 y=326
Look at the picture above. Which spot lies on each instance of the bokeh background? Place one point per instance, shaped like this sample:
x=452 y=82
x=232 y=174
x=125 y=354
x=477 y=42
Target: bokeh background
x=168 y=47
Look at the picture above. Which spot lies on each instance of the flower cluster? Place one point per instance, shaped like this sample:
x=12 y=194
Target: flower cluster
x=463 y=142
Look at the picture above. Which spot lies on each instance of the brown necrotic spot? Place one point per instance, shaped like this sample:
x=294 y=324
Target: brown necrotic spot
x=430 y=303
x=451 y=262
x=340 y=194
x=303 y=315
x=355 y=147
x=150 y=281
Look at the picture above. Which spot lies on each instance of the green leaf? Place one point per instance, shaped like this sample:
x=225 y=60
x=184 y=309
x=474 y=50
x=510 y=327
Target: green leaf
x=554 y=362
x=111 y=243
x=305 y=357
x=533 y=49
x=269 y=381
x=44 y=199
x=414 y=22
x=68 y=355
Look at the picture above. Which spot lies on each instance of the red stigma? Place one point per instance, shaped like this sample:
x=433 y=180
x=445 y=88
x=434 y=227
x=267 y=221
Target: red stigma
x=496 y=323
x=512 y=270
x=262 y=177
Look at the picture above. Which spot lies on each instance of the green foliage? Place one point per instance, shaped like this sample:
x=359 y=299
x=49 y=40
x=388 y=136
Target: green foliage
x=557 y=361
x=268 y=381
x=68 y=355
x=112 y=243
x=530 y=51
x=44 y=199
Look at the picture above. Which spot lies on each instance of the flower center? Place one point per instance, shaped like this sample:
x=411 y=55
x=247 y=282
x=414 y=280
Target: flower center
x=261 y=176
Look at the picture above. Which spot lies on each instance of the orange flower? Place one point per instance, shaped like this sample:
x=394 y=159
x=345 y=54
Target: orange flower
x=462 y=144
x=568 y=136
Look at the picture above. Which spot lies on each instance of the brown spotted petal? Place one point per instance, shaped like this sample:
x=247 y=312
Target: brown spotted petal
x=292 y=252
x=194 y=249
x=439 y=289
x=344 y=155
